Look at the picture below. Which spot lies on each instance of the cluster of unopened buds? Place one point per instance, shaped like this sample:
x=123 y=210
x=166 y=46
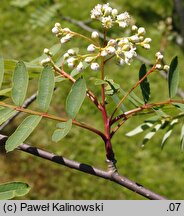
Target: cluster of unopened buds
x=159 y=65
x=123 y=48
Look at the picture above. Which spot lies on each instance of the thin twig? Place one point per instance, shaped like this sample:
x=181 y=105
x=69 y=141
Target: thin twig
x=25 y=105
x=115 y=177
x=142 y=59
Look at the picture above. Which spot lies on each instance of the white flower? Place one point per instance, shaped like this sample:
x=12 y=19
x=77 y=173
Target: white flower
x=55 y=30
x=58 y=25
x=111 y=49
x=96 y=12
x=159 y=56
x=123 y=24
x=107 y=22
x=46 y=51
x=95 y=66
x=71 y=52
x=91 y=48
x=158 y=66
x=45 y=61
x=106 y=9
x=80 y=67
x=94 y=35
x=123 y=41
x=123 y=16
x=141 y=31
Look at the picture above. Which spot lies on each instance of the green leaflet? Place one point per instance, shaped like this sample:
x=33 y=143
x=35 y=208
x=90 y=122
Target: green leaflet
x=63 y=130
x=145 y=87
x=20 y=83
x=13 y=189
x=182 y=137
x=168 y=133
x=180 y=106
x=76 y=97
x=45 y=88
x=140 y=129
x=22 y=132
x=173 y=77
x=5 y=114
x=132 y=98
x=151 y=133
x=116 y=100
x=1 y=70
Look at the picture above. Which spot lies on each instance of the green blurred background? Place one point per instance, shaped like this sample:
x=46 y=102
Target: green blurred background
x=23 y=37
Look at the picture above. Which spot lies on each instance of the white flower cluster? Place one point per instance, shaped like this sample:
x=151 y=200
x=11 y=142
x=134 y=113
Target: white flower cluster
x=108 y=16
x=124 y=48
x=65 y=34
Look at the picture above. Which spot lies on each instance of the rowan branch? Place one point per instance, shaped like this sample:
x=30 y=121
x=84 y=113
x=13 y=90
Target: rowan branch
x=111 y=176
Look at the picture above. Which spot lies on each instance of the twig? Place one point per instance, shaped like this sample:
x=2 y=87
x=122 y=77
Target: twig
x=142 y=59
x=25 y=105
x=115 y=177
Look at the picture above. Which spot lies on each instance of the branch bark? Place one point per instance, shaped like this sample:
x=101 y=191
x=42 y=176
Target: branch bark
x=111 y=176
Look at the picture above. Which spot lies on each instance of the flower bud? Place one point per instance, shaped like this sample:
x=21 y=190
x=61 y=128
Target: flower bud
x=141 y=31
x=159 y=56
x=45 y=61
x=88 y=59
x=146 y=46
x=147 y=40
x=46 y=51
x=166 y=67
x=114 y=12
x=94 y=35
x=158 y=66
x=135 y=39
x=104 y=53
x=71 y=52
x=80 y=67
x=55 y=30
x=111 y=49
x=134 y=28
x=58 y=25
x=95 y=66
x=91 y=48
